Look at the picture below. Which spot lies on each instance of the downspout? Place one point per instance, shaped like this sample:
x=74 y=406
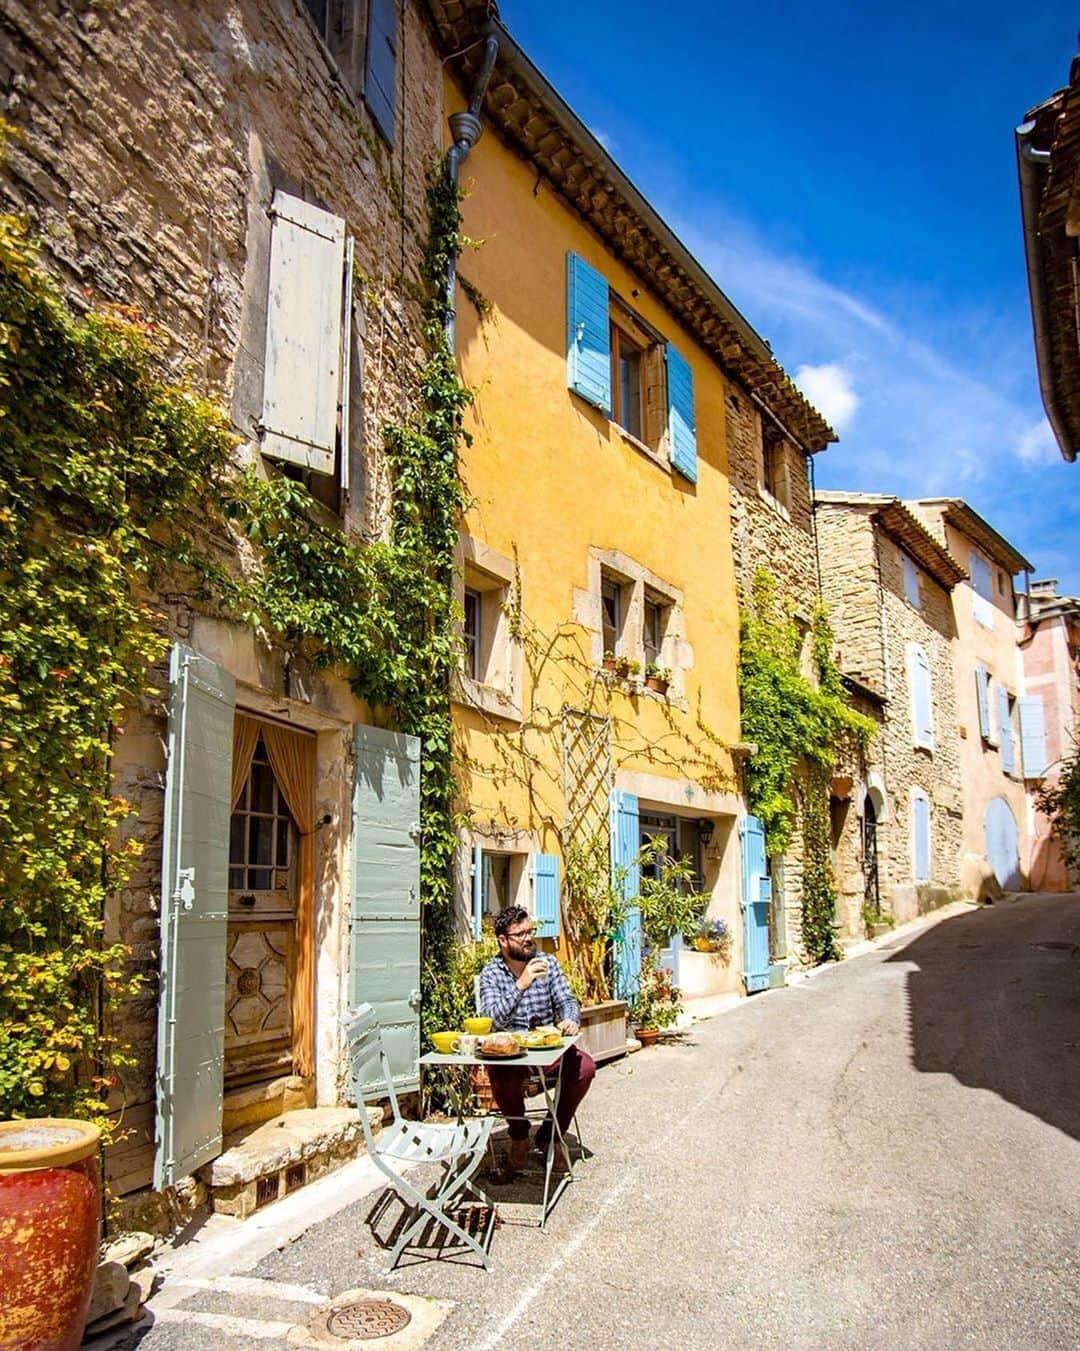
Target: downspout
x=465 y=129
x=1031 y=163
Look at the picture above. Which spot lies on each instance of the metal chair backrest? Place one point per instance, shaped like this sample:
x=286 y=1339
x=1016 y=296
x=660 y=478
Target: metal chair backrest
x=369 y=1069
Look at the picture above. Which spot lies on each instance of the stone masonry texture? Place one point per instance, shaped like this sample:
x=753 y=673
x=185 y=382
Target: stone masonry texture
x=149 y=141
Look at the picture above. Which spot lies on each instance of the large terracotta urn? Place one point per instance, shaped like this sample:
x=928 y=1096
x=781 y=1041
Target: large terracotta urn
x=50 y=1223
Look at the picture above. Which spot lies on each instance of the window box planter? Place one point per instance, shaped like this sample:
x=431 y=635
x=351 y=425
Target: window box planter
x=603 y=1029
x=656 y=683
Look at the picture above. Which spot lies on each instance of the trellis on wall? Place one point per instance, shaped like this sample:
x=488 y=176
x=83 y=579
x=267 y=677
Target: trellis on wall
x=586 y=764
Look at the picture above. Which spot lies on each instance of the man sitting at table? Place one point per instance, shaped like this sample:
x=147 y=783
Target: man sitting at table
x=521 y=989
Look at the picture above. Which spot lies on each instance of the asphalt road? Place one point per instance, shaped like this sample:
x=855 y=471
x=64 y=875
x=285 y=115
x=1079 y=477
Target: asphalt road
x=886 y=1154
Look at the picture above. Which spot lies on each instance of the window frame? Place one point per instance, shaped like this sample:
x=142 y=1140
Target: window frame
x=655 y=606
x=912 y=587
x=609 y=582
x=472 y=640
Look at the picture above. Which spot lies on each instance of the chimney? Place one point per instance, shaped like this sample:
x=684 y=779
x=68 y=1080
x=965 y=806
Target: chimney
x=1044 y=590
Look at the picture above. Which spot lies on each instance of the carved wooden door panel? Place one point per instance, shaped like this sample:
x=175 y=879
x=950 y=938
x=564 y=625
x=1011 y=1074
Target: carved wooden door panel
x=260 y=950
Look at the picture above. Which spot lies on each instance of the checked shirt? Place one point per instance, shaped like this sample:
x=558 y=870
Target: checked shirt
x=545 y=1001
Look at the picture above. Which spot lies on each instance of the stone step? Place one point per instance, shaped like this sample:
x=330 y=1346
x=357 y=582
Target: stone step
x=264 y=1162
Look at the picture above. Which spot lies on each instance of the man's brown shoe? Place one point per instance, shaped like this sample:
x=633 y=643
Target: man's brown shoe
x=517 y=1156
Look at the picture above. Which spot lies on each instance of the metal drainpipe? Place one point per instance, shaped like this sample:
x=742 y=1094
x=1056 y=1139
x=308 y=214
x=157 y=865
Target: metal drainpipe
x=466 y=129
x=1030 y=162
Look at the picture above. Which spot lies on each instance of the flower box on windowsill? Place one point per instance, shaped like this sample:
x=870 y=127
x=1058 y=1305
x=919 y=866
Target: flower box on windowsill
x=657 y=684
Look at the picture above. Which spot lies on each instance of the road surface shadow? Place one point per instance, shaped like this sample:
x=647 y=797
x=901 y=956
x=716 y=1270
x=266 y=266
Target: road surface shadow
x=995 y=1002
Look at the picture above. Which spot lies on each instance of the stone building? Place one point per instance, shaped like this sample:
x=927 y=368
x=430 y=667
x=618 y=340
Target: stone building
x=888 y=585
x=772 y=528
x=252 y=178
x=988 y=673
x=1049 y=715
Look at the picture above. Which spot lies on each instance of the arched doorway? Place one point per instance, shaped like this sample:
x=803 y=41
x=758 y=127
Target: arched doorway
x=871 y=882
x=1002 y=843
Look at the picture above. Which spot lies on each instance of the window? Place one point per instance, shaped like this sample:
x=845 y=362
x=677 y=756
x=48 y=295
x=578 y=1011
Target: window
x=611 y=609
x=367 y=59
x=682 y=840
x=920 y=836
x=261 y=835
x=922 y=708
x=495 y=893
x=472 y=632
x=619 y=364
x=911 y=581
x=982 y=599
x=653 y=631
x=772 y=461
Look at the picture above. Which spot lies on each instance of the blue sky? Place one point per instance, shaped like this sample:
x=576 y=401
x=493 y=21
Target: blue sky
x=847 y=174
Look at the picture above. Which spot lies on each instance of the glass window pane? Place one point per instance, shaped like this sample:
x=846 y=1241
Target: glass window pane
x=236 y=879
x=262 y=788
x=259 y=879
x=260 y=840
x=236 y=839
x=281 y=858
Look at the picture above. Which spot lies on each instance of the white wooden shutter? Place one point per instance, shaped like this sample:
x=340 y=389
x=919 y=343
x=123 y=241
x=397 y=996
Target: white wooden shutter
x=920 y=820
x=194 y=915
x=982 y=599
x=911 y=580
x=1033 y=736
x=302 y=381
x=1005 y=731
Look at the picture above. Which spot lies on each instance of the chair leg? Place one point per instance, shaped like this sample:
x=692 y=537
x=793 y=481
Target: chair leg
x=433 y=1205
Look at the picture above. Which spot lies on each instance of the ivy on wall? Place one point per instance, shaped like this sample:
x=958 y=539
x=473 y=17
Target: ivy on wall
x=796 y=723
x=103 y=462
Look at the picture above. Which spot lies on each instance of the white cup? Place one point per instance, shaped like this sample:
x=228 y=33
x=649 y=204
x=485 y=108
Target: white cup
x=468 y=1044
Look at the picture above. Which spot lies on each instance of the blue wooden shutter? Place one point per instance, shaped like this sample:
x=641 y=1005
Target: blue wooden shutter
x=305 y=321
x=756 y=899
x=920 y=813
x=380 y=72
x=922 y=712
x=625 y=846
x=1005 y=731
x=546 y=908
x=477 y=891
x=1033 y=736
x=982 y=691
x=384 y=920
x=682 y=420
x=1002 y=849
x=194 y=911
x=588 y=334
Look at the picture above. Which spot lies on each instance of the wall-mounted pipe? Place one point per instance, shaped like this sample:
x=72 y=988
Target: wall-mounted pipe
x=465 y=130
x=1032 y=164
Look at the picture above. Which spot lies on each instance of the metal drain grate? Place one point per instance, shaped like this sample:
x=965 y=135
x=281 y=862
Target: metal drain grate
x=367 y=1319
x=266 y=1189
x=295 y=1176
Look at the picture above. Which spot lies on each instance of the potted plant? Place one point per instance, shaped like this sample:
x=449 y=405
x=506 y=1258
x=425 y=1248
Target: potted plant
x=711 y=935
x=592 y=913
x=657 y=678
x=633 y=670
x=609 y=661
x=656 y=1005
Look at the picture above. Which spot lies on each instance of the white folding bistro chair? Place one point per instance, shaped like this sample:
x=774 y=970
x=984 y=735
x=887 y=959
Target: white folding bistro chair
x=457 y=1148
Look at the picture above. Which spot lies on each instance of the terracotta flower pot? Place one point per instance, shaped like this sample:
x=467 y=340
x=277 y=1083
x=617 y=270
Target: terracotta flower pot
x=50 y=1222
x=655 y=683
x=648 y=1036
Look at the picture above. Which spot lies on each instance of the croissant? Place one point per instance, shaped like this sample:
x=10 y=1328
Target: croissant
x=499 y=1043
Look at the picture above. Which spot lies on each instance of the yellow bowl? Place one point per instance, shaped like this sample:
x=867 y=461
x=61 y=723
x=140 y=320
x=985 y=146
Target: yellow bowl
x=445 y=1042
x=477 y=1027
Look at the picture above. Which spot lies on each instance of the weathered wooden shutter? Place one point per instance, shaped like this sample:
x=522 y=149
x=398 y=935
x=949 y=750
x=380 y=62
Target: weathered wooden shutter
x=384 y=956
x=922 y=709
x=194 y=910
x=911 y=580
x=1033 y=736
x=588 y=333
x=756 y=900
x=625 y=846
x=304 y=322
x=982 y=599
x=477 y=891
x=920 y=818
x=380 y=71
x=546 y=908
x=682 y=419
x=982 y=693
x=1005 y=731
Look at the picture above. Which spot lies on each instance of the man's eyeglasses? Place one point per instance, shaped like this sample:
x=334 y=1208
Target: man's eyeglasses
x=520 y=933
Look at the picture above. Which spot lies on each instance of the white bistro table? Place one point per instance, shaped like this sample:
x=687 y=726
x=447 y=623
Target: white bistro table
x=542 y=1061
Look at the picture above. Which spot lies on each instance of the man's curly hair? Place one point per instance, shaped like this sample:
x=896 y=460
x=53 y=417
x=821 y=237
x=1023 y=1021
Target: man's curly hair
x=512 y=914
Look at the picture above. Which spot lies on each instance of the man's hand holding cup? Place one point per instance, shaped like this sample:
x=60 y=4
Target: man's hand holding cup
x=535 y=969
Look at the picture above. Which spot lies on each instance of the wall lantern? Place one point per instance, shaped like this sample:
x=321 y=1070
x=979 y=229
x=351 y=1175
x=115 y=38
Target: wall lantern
x=706 y=826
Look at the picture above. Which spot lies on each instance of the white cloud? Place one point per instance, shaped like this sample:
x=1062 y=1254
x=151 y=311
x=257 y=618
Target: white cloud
x=608 y=141
x=1037 y=444
x=830 y=389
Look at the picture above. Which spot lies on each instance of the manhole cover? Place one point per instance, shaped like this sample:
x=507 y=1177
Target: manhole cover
x=366 y=1319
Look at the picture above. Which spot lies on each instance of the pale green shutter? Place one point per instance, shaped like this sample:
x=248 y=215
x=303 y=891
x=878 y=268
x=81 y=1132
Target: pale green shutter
x=384 y=956
x=1033 y=736
x=194 y=908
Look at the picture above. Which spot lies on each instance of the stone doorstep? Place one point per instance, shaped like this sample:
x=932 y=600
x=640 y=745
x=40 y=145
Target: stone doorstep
x=256 y=1165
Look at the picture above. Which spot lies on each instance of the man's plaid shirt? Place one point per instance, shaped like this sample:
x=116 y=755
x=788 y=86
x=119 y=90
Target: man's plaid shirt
x=545 y=1001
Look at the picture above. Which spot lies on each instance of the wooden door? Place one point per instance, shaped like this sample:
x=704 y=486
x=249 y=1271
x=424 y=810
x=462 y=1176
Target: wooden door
x=261 y=937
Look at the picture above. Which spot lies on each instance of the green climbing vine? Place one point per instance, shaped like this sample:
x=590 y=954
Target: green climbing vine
x=104 y=464
x=799 y=728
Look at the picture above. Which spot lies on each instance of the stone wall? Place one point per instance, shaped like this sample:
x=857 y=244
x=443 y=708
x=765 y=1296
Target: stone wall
x=150 y=139
x=775 y=533
x=874 y=623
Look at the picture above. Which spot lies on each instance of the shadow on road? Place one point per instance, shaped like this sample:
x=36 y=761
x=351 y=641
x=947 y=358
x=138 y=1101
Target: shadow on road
x=995 y=1002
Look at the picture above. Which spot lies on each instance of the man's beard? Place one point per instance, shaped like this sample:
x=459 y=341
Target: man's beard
x=524 y=950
